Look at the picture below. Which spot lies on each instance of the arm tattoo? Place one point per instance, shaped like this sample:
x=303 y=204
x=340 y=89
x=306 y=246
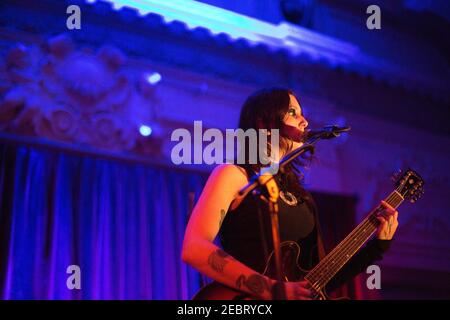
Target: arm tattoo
x=217 y=260
x=256 y=283
x=222 y=216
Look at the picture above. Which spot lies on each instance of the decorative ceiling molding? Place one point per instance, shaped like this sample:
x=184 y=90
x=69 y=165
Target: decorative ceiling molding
x=285 y=36
x=193 y=14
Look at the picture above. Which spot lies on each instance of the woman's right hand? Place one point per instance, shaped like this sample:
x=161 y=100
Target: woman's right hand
x=300 y=290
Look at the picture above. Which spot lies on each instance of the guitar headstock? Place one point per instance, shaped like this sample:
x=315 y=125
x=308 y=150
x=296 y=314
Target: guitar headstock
x=409 y=184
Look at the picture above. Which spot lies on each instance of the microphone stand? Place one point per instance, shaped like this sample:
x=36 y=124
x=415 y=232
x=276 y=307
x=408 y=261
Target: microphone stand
x=266 y=179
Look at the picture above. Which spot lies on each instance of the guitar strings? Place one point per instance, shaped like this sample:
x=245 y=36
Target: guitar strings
x=321 y=274
x=366 y=228
x=352 y=234
x=335 y=262
x=370 y=221
x=328 y=274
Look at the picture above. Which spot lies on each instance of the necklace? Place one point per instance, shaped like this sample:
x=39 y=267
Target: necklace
x=288 y=198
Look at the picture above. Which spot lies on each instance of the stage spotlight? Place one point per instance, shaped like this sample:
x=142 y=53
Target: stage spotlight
x=145 y=130
x=154 y=78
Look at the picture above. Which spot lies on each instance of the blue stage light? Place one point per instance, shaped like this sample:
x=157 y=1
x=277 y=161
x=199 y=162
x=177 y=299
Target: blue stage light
x=145 y=130
x=154 y=78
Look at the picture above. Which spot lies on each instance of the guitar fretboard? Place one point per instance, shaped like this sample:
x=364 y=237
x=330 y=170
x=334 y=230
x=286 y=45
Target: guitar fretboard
x=325 y=270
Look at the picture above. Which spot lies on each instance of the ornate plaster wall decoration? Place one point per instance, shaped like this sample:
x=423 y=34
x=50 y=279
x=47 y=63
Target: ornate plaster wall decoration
x=78 y=96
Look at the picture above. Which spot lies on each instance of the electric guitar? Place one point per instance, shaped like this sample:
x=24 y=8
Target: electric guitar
x=408 y=185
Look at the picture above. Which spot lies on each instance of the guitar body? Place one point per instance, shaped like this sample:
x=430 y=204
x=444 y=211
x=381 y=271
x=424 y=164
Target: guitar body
x=291 y=271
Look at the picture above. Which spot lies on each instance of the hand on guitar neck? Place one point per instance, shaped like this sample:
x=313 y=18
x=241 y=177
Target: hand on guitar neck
x=388 y=221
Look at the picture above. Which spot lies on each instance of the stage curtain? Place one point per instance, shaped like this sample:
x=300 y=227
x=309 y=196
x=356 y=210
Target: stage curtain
x=121 y=223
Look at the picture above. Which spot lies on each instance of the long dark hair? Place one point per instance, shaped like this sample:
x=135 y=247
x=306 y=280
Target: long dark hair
x=266 y=109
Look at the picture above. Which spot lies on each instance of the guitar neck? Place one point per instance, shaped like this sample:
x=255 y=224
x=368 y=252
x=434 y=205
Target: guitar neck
x=325 y=270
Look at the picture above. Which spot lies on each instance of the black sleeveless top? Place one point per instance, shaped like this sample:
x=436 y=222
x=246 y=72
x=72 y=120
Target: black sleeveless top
x=248 y=237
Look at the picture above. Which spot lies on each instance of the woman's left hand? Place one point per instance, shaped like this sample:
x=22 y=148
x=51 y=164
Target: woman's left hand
x=388 y=225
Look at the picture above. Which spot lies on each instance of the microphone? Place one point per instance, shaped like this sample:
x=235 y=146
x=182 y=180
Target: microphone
x=327 y=132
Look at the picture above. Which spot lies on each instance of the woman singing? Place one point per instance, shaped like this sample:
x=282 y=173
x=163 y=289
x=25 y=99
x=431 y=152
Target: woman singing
x=245 y=232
